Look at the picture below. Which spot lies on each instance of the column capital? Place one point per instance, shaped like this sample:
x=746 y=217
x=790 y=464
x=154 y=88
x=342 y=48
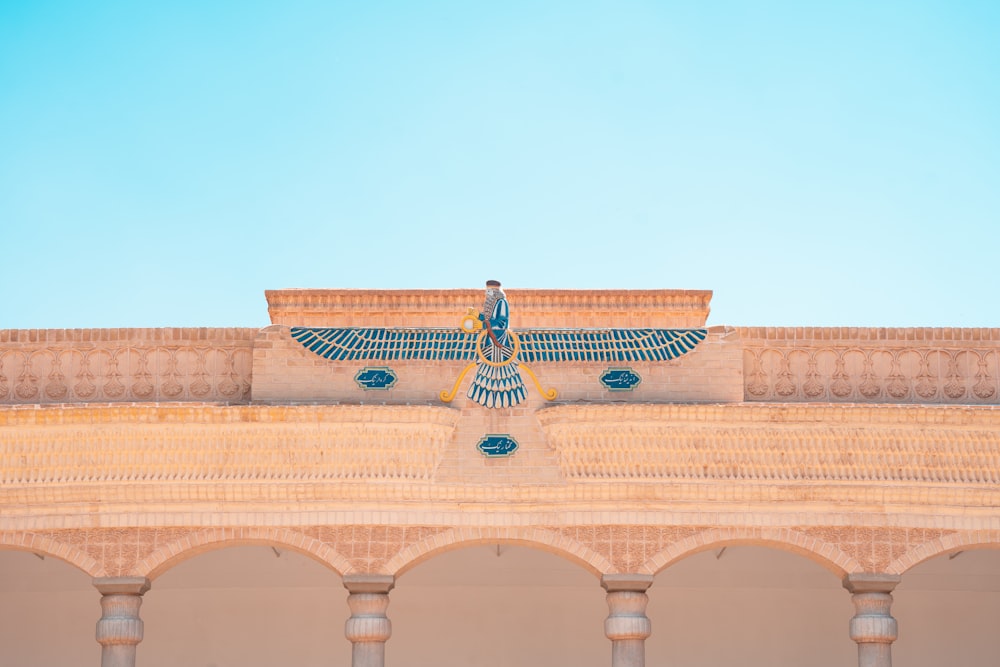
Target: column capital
x=120 y=629
x=627 y=625
x=369 y=583
x=368 y=628
x=121 y=585
x=873 y=628
x=866 y=582
x=638 y=583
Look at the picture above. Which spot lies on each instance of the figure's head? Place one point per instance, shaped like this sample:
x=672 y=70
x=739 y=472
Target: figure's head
x=493 y=287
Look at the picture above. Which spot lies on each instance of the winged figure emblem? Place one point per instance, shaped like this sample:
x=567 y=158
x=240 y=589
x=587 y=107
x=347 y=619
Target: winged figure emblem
x=498 y=353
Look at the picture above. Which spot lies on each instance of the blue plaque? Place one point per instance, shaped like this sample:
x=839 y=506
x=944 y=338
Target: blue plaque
x=620 y=379
x=497 y=444
x=378 y=377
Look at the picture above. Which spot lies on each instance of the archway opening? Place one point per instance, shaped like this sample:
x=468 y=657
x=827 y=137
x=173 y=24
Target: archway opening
x=493 y=605
x=753 y=606
x=948 y=609
x=48 y=611
x=246 y=606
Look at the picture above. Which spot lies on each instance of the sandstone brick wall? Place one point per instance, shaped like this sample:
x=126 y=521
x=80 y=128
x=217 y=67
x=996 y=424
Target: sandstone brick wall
x=124 y=451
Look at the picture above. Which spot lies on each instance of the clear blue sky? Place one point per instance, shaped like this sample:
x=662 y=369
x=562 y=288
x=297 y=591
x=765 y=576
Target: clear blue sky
x=162 y=164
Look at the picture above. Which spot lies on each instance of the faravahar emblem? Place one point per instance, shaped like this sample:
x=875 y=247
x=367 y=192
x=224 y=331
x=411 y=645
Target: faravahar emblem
x=498 y=353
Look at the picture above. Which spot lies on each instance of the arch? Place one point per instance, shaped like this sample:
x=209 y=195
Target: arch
x=202 y=541
x=67 y=553
x=983 y=539
x=457 y=538
x=828 y=555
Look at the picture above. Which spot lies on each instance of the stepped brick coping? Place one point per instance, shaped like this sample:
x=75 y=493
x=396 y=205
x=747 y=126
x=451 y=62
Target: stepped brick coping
x=531 y=307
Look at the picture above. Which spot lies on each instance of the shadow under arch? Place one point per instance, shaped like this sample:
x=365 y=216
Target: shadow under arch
x=459 y=538
x=189 y=546
x=40 y=544
x=942 y=545
x=825 y=554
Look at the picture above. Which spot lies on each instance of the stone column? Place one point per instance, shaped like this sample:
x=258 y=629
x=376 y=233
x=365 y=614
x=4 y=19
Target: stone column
x=368 y=628
x=120 y=628
x=627 y=625
x=873 y=627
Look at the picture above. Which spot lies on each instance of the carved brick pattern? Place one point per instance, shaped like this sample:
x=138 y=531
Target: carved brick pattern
x=875 y=548
x=628 y=547
x=947 y=542
x=124 y=551
x=871 y=374
x=369 y=548
x=44 y=544
x=305 y=444
x=117 y=550
x=142 y=365
x=608 y=444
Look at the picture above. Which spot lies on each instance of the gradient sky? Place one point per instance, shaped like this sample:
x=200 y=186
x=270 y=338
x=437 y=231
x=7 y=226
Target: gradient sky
x=162 y=164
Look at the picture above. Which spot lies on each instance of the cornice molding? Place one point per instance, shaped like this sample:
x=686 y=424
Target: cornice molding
x=532 y=308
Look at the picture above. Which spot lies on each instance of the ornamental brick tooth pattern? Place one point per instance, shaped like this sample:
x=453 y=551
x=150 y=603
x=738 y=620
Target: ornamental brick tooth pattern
x=608 y=444
x=405 y=444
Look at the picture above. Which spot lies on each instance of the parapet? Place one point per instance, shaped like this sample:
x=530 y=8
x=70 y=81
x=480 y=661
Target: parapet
x=531 y=308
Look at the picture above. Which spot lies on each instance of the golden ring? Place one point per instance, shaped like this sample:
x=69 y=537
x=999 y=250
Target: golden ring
x=515 y=349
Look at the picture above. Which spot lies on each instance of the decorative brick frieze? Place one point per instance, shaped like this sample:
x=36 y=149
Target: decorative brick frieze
x=187 y=444
x=120 y=552
x=958 y=366
x=775 y=444
x=629 y=547
x=392 y=550
x=874 y=549
x=936 y=465
x=125 y=365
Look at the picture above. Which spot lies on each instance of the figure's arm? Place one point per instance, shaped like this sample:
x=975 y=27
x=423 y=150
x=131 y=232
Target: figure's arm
x=500 y=316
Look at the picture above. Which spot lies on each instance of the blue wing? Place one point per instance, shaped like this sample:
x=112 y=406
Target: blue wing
x=537 y=345
x=607 y=344
x=346 y=344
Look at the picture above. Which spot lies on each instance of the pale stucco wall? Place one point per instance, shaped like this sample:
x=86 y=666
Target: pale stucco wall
x=248 y=607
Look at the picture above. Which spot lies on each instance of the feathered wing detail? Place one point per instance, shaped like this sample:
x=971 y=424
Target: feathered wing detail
x=347 y=344
x=497 y=386
x=605 y=345
x=497 y=382
x=601 y=345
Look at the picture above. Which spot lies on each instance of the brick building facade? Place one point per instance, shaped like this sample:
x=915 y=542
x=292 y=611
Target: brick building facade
x=869 y=452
